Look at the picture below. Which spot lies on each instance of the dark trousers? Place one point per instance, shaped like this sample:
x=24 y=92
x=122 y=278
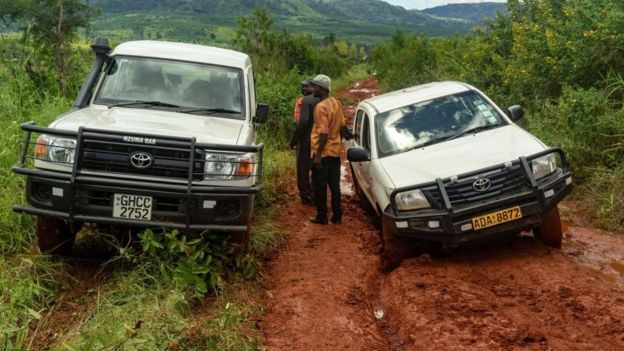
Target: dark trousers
x=327 y=175
x=304 y=167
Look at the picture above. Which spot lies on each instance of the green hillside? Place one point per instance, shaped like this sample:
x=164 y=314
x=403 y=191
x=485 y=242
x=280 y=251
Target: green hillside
x=475 y=13
x=363 y=21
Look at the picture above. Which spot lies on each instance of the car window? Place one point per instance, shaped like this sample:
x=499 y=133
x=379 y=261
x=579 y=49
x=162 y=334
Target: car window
x=408 y=127
x=185 y=84
x=365 y=133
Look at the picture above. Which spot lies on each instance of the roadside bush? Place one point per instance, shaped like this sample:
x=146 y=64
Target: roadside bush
x=585 y=123
x=200 y=262
x=280 y=91
x=542 y=46
x=405 y=61
x=602 y=197
x=21 y=100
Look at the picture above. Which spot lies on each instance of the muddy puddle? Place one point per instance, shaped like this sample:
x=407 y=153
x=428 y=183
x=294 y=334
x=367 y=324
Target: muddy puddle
x=601 y=251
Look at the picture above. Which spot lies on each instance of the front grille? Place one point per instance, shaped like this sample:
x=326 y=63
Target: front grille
x=509 y=180
x=164 y=207
x=106 y=156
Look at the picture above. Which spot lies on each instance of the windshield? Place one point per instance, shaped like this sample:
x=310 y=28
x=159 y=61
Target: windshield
x=435 y=120
x=166 y=84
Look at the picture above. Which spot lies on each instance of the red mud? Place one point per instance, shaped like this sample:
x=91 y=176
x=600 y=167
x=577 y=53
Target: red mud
x=325 y=285
x=515 y=294
x=81 y=288
x=322 y=284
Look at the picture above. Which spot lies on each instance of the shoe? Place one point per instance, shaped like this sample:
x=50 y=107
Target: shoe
x=318 y=220
x=336 y=219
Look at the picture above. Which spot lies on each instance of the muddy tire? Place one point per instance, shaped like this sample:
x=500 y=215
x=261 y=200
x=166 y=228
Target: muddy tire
x=356 y=185
x=395 y=248
x=550 y=232
x=55 y=236
x=241 y=239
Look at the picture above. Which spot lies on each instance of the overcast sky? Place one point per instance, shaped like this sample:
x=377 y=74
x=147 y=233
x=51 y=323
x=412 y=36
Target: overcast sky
x=423 y=4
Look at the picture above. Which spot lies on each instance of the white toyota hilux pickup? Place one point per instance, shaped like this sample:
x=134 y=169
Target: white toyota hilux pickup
x=441 y=162
x=161 y=135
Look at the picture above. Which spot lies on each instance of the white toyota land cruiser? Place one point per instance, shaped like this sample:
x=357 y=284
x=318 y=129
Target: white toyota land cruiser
x=441 y=162
x=161 y=135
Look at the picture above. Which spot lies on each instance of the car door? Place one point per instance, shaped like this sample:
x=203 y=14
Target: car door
x=355 y=142
x=362 y=138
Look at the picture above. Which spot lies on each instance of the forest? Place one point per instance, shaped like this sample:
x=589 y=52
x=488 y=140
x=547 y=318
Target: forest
x=561 y=59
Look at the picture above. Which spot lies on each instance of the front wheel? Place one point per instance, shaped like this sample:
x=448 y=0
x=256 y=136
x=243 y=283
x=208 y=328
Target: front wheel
x=55 y=236
x=241 y=239
x=550 y=231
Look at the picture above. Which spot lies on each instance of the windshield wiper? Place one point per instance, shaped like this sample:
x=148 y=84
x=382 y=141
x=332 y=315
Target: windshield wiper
x=207 y=109
x=139 y=102
x=427 y=143
x=474 y=130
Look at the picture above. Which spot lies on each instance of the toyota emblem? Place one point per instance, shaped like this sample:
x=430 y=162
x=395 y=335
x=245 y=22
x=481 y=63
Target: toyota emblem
x=481 y=184
x=140 y=160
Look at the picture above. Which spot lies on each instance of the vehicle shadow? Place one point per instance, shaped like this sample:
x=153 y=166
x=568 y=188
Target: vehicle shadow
x=501 y=248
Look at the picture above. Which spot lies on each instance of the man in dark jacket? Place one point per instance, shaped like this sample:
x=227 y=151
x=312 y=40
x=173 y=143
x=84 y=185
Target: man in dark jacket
x=301 y=142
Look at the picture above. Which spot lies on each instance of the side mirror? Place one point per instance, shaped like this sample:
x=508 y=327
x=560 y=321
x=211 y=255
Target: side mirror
x=262 y=113
x=515 y=112
x=357 y=154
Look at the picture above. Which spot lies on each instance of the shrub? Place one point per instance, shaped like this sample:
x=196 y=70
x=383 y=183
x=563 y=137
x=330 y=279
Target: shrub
x=586 y=124
x=405 y=61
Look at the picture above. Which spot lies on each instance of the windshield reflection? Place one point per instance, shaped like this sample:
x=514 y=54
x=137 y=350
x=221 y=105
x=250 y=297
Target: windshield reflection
x=433 y=121
x=167 y=84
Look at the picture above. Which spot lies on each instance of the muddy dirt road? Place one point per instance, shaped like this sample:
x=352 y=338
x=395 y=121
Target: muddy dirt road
x=326 y=289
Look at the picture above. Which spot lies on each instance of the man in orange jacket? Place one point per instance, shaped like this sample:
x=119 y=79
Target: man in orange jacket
x=326 y=145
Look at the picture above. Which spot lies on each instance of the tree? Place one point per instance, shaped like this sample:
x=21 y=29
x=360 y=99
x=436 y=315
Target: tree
x=329 y=40
x=51 y=25
x=254 y=32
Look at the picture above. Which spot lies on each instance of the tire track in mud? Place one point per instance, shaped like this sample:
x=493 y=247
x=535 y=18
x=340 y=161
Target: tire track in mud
x=325 y=285
x=322 y=284
x=80 y=288
x=87 y=271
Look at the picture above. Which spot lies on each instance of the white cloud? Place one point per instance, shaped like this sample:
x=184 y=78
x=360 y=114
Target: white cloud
x=424 y=4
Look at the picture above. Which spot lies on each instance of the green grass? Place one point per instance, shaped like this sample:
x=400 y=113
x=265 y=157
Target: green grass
x=27 y=288
x=141 y=307
x=28 y=280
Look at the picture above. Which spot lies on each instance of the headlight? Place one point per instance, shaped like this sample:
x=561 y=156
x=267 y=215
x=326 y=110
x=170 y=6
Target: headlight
x=229 y=166
x=544 y=166
x=55 y=149
x=411 y=200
